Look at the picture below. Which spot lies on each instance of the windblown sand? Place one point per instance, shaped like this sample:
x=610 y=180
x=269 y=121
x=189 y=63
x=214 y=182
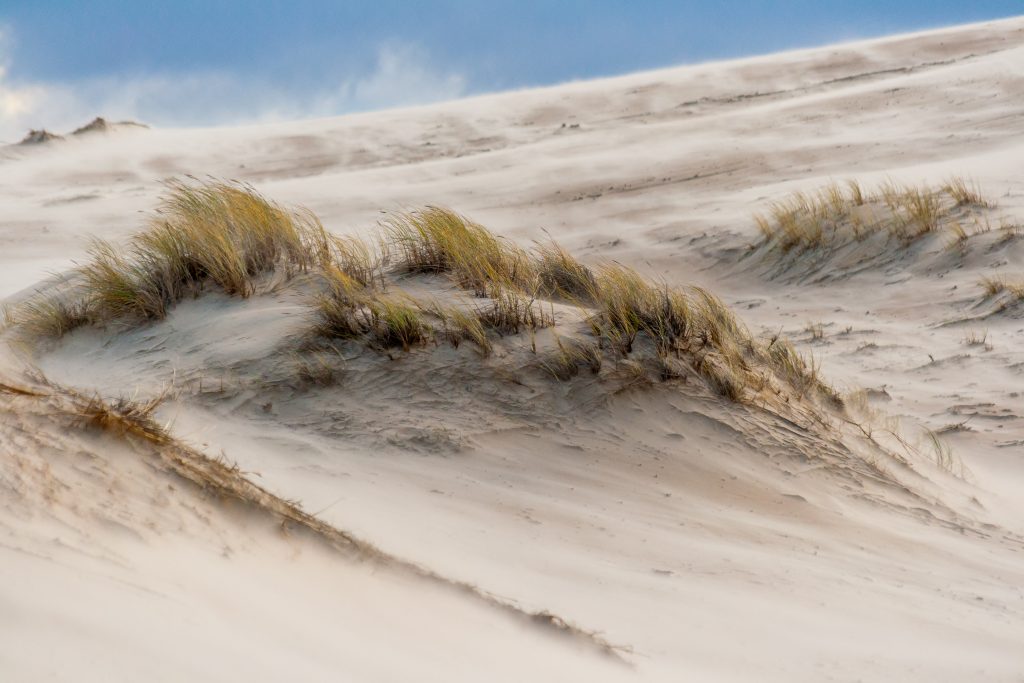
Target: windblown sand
x=704 y=540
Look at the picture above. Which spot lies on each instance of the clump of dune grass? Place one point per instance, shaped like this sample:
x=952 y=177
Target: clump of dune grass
x=975 y=338
x=628 y=305
x=571 y=356
x=439 y=240
x=965 y=192
x=831 y=217
x=220 y=234
x=560 y=274
x=994 y=286
x=721 y=376
x=356 y=259
x=857 y=196
x=393 y=323
x=340 y=319
x=459 y=325
x=800 y=373
x=50 y=316
x=922 y=209
x=510 y=312
x=692 y=327
x=348 y=310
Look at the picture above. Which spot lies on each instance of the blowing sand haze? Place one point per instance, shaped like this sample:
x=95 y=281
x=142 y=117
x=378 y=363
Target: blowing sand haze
x=710 y=373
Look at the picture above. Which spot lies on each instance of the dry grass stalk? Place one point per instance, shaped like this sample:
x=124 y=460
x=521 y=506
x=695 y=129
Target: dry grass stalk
x=124 y=417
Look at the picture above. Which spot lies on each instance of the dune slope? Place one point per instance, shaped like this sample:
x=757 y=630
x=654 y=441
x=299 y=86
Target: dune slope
x=698 y=535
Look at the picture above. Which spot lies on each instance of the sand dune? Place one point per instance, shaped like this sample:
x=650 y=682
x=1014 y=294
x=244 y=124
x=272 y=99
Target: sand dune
x=445 y=512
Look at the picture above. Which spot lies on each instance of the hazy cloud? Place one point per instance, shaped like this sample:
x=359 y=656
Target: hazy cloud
x=401 y=75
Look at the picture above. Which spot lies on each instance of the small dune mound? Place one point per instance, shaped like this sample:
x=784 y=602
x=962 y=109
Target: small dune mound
x=423 y=334
x=226 y=237
x=39 y=137
x=836 y=231
x=101 y=125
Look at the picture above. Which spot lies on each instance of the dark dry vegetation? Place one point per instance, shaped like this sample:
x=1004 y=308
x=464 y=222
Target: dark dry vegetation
x=226 y=236
x=836 y=216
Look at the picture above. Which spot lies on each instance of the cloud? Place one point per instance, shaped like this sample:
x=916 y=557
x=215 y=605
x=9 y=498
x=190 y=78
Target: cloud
x=401 y=75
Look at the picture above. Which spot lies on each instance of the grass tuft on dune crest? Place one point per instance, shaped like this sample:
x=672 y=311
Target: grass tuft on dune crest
x=219 y=234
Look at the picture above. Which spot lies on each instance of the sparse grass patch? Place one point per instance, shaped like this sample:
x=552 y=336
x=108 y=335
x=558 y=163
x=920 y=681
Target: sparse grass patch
x=831 y=218
x=996 y=285
x=942 y=453
x=317 y=368
x=959 y=237
x=965 y=192
x=571 y=356
x=816 y=330
x=975 y=338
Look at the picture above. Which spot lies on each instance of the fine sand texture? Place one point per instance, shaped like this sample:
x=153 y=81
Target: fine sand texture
x=712 y=373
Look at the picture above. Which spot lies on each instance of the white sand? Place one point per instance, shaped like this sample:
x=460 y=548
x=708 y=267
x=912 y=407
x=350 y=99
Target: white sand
x=712 y=541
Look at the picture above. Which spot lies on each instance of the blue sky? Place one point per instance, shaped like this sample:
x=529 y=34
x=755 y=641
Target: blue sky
x=211 y=62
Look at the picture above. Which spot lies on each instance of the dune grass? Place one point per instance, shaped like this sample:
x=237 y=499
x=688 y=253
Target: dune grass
x=572 y=355
x=510 y=312
x=441 y=241
x=560 y=274
x=998 y=285
x=393 y=323
x=226 y=236
x=216 y=234
x=965 y=192
x=832 y=217
x=459 y=325
x=48 y=316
